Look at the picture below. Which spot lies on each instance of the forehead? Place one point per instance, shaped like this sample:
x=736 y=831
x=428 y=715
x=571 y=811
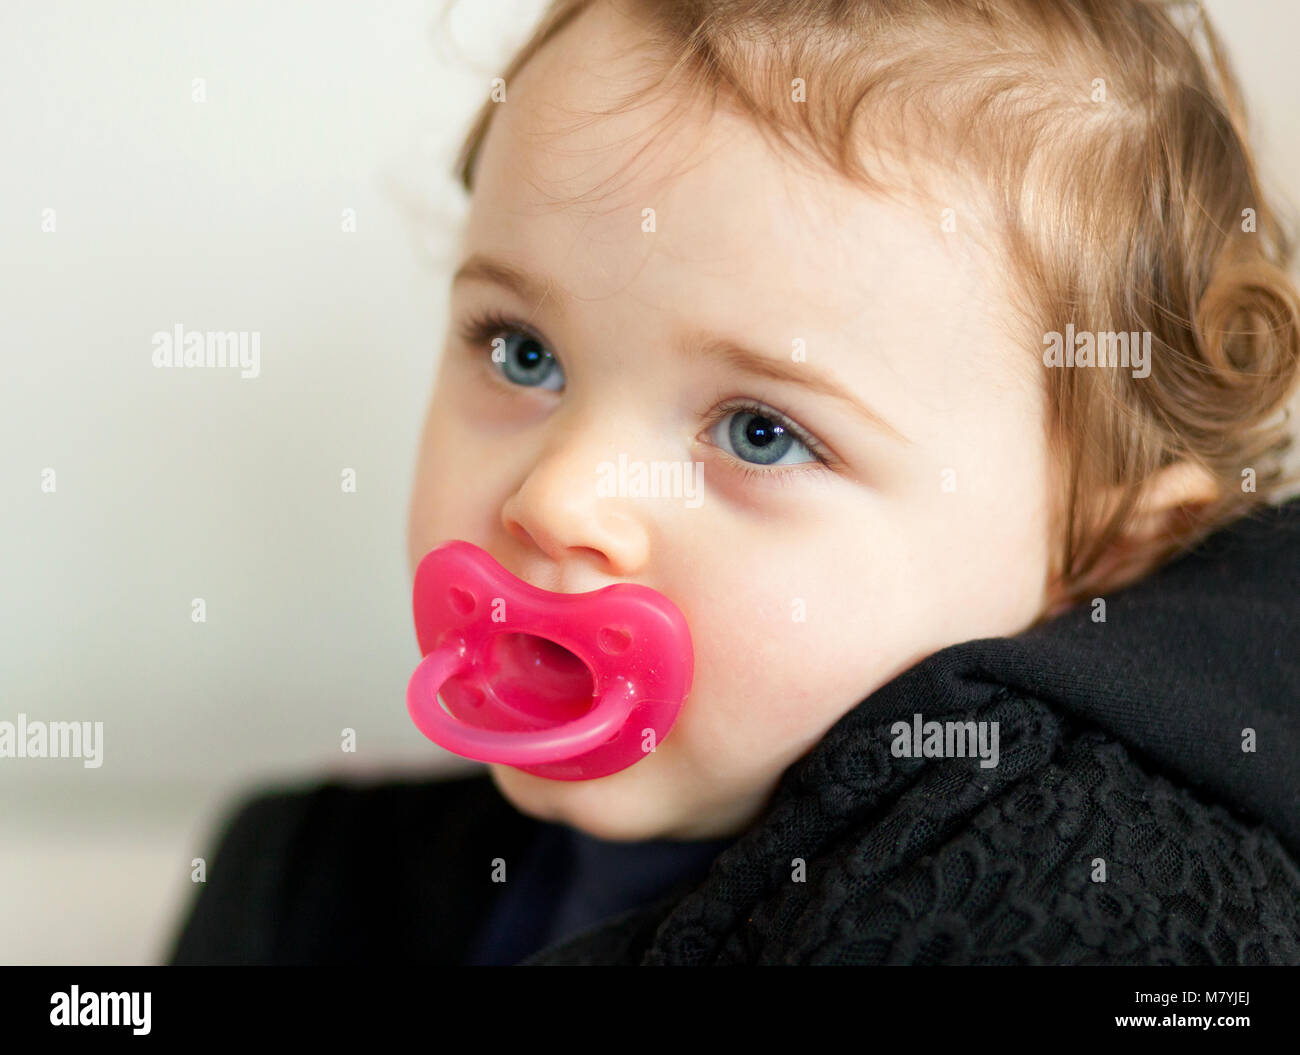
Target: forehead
x=562 y=188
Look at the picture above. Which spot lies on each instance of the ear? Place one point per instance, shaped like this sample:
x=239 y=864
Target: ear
x=1167 y=506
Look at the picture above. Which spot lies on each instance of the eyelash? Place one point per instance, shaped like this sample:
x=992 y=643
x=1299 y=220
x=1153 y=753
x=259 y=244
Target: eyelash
x=479 y=329
x=781 y=474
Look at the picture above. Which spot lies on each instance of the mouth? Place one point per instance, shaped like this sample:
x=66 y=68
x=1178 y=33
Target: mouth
x=537 y=679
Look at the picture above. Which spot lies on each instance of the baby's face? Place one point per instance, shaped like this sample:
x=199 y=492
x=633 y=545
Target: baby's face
x=873 y=469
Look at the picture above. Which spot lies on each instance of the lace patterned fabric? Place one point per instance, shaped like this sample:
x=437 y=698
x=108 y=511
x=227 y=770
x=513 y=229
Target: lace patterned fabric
x=940 y=861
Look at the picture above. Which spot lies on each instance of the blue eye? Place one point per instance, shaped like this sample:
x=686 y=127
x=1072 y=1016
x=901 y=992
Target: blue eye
x=517 y=354
x=761 y=437
x=523 y=360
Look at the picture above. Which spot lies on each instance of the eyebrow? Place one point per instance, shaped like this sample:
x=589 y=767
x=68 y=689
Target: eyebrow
x=696 y=345
x=756 y=364
x=480 y=268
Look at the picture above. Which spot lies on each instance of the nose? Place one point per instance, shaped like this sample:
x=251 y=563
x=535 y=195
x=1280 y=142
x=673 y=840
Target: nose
x=559 y=509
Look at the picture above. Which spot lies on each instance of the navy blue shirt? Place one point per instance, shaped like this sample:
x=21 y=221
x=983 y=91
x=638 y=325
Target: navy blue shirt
x=570 y=881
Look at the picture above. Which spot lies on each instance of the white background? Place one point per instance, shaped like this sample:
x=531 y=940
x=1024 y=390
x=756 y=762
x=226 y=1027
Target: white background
x=176 y=484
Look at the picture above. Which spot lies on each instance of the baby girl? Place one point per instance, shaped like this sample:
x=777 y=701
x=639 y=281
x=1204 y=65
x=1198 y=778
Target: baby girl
x=822 y=256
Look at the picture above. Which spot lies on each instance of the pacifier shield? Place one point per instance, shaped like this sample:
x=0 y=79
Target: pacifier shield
x=567 y=686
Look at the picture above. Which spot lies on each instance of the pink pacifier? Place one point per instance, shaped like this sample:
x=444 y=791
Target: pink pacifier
x=570 y=686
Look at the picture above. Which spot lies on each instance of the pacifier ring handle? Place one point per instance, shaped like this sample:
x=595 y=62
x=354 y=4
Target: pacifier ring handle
x=517 y=748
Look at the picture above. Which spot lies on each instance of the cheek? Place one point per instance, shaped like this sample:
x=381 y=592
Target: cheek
x=785 y=648
x=980 y=568
x=1014 y=558
x=453 y=490
x=781 y=654
x=431 y=489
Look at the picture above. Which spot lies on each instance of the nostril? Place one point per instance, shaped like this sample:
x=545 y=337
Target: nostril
x=613 y=640
x=461 y=600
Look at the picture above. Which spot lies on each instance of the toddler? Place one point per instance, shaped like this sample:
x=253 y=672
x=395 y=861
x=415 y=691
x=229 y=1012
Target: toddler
x=972 y=324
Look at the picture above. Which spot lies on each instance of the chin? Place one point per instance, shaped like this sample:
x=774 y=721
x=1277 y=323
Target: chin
x=592 y=806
